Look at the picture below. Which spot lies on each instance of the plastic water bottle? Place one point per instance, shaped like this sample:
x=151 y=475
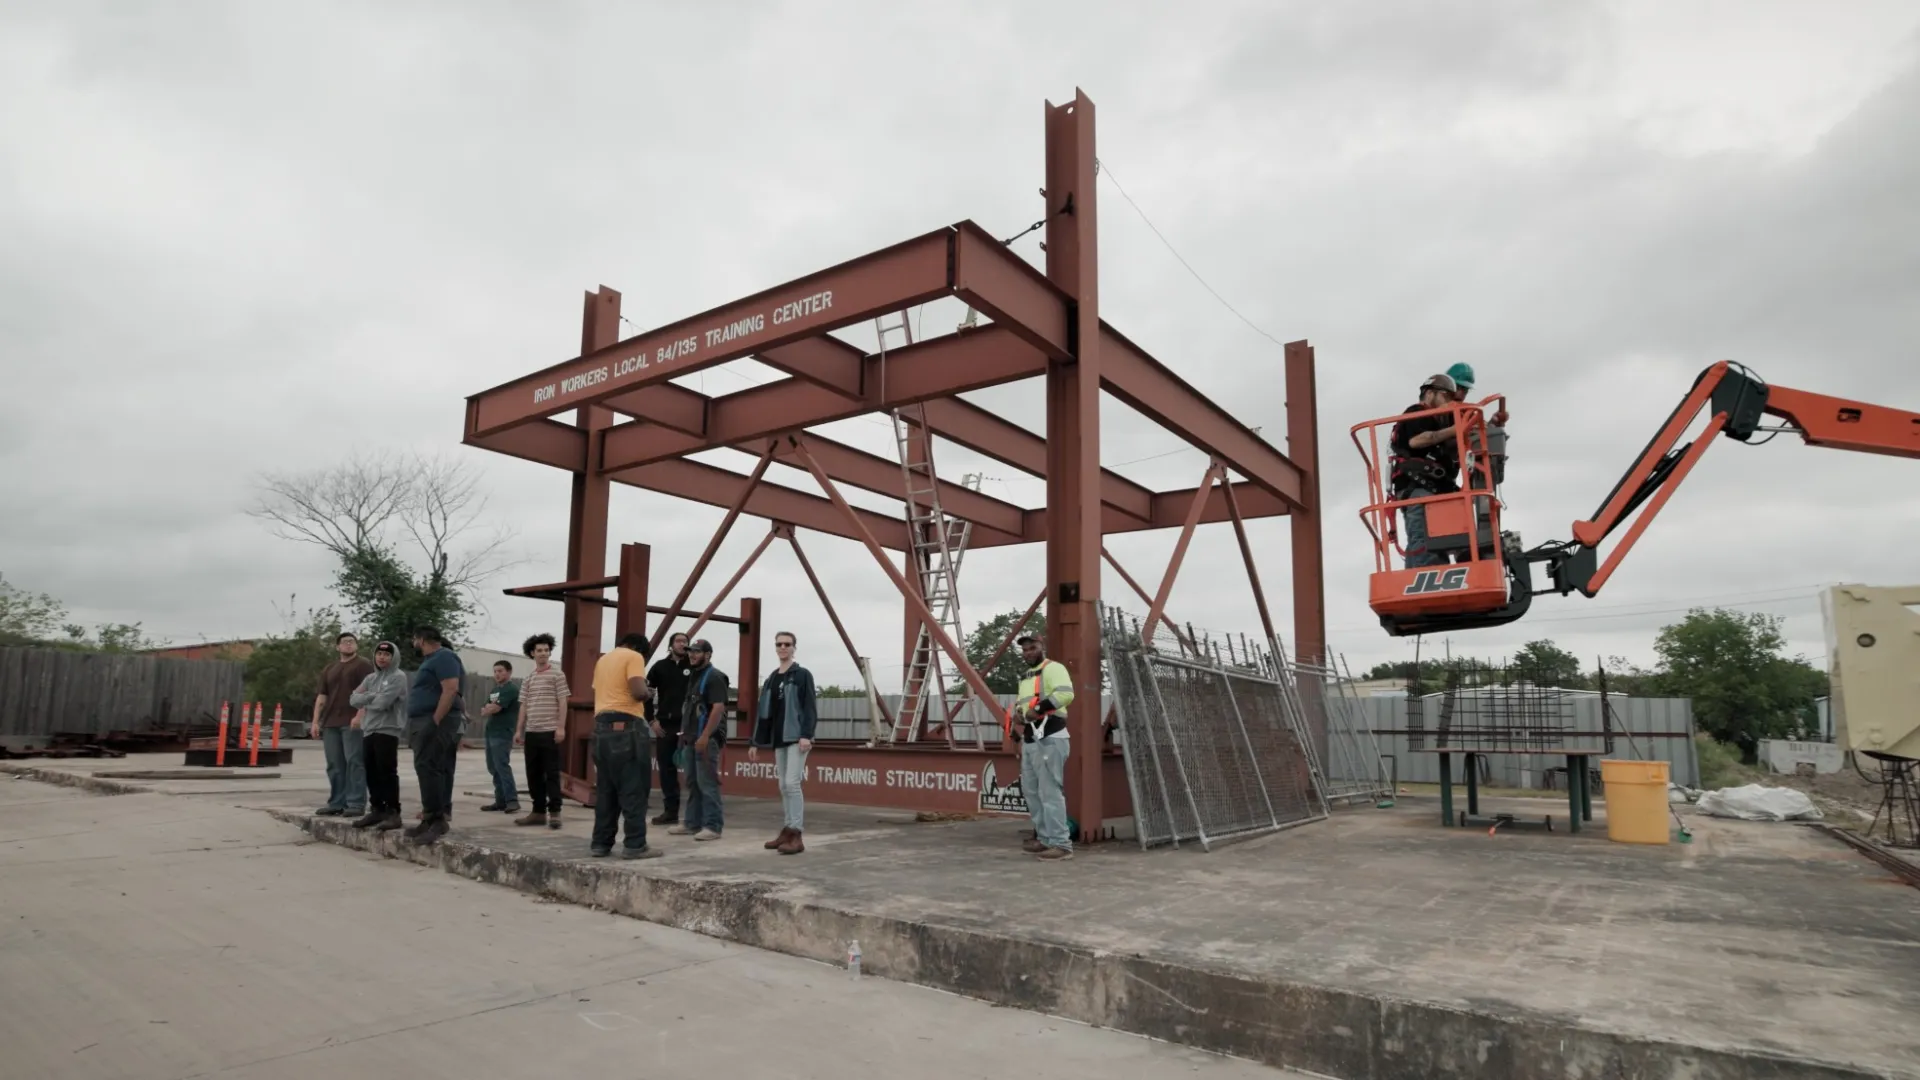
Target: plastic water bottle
x=853 y=961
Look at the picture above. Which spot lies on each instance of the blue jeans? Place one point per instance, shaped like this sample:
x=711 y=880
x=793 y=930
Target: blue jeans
x=1043 y=781
x=790 y=768
x=1416 y=528
x=346 y=768
x=703 y=788
x=500 y=767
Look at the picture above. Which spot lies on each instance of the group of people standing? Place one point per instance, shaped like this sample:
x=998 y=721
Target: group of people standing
x=671 y=714
x=361 y=713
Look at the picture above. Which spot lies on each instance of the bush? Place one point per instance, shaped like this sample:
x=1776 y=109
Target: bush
x=1719 y=763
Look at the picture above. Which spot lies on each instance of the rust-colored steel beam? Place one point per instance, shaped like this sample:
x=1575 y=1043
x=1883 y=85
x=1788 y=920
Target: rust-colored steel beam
x=824 y=361
x=710 y=484
x=1014 y=633
x=961 y=422
x=874 y=473
x=549 y=442
x=1074 y=512
x=671 y=406
x=580 y=613
x=630 y=611
x=1153 y=390
x=1246 y=554
x=947 y=644
x=747 y=705
x=887 y=280
x=937 y=367
x=721 y=596
x=738 y=503
x=826 y=602
x=1169 y=512
x=1158 y=610
x=1007 y=287
x=1309 y=562
x=1142 y=594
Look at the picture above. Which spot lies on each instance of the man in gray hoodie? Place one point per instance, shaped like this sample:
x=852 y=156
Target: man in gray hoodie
x=382 y=701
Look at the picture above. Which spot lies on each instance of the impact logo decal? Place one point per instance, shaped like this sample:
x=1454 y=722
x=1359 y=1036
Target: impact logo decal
x=1435 y=581
x=995 y=799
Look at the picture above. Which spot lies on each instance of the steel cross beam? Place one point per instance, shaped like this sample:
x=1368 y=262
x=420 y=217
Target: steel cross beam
x=1215 y=471
x=713 y=545
x=960 y=260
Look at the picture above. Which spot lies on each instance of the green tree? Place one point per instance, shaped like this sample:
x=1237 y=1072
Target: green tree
x=1731 y=664
x=836 y=691
x=1004 y=678
x=1626 y=677
x=285 y=669
x=390 y=600
x=1543 y=663
x=366 y=511
x=26 y=618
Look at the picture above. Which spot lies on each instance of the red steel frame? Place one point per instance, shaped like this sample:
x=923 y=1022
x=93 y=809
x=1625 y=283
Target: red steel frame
x=1044 y=325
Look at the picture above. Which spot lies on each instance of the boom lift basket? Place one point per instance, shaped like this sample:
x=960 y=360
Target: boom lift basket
x=1474 y=587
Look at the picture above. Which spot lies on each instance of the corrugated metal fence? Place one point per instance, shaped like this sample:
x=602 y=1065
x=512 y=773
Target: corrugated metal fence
x=45 y=692
x=1633 y=720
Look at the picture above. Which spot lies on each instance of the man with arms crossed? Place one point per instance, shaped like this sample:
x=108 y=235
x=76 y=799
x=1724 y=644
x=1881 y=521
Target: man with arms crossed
x=333 y=722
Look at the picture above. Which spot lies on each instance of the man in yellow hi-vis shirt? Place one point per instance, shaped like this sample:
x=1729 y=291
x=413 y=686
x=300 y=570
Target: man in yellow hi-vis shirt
x=1040 y=723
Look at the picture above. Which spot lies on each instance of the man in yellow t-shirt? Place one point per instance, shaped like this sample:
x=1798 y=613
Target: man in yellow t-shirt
x=622 y=748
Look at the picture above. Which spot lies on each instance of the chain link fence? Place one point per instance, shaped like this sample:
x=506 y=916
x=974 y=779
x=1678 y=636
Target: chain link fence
x=1216 y=748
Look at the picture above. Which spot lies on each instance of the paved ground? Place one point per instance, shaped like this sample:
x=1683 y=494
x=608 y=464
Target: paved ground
x=144 y=936
x=1765 y=942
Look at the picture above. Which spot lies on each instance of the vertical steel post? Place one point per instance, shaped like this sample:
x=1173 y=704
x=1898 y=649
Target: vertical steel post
x=587 y=533
x=630 y=611
x=748 y=683
x=1309 y=564
x=1073 y=447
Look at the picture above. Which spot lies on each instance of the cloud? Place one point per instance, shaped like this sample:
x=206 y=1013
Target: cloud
x=246 y=237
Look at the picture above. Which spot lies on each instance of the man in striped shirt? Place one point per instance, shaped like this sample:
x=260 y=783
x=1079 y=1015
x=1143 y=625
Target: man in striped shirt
x=543 y=716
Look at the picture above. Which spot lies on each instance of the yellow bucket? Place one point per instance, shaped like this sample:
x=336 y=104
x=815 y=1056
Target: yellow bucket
x=1636 y=793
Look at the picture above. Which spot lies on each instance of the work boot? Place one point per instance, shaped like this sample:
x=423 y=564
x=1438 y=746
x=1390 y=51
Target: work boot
x=793 y=846
x=538 y=817
x=389 y=821
x=1032 y=847
x=778 y=842
x=330 y=811
x=553 y=819
x=1054 y=854
x=419 y=828
x=599 y=852
x=369 y=819
x=669 y=817
x=436 y=828
x=492 y=806
x=640 y=853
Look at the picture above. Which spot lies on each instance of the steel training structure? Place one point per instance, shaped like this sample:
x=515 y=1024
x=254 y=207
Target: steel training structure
x=632 y=425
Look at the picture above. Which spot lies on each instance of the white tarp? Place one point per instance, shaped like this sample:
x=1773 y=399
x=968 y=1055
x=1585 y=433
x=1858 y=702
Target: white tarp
x=1757 y=802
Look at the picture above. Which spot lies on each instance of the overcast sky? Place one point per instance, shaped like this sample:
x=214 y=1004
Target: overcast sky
x=238 y=237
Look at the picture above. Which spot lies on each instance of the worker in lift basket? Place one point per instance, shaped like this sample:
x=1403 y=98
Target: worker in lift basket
x=1039 y=721
x=1425 y=462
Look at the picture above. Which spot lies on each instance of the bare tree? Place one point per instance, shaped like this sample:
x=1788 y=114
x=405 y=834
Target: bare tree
x=366 y=504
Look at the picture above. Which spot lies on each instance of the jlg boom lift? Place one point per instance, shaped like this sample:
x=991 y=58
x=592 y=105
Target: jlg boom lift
x=1491 y=582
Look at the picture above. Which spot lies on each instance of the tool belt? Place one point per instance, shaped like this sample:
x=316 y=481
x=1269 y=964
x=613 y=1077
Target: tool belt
x=1035 y=730
x=1423 y=472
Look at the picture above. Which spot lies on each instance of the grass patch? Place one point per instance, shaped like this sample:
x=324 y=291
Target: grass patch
x=1720 y=765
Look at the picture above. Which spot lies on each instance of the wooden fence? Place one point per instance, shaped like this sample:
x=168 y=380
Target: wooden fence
x=45 y=692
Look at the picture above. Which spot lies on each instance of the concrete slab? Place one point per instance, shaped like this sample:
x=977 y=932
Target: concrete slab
x=1375 y=945
x=145 y=937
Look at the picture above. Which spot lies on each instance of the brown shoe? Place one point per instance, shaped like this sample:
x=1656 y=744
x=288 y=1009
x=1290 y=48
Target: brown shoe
x=538 y=817
x=1054 y=854
x=1032 y=847
x=793 y=846
x=780 y=841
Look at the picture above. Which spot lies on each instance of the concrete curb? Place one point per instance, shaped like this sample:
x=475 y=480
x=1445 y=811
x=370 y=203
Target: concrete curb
x=1297 y=1025
x=95 y=784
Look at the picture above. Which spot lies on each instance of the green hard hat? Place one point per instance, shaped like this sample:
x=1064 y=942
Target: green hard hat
x=1462 y=375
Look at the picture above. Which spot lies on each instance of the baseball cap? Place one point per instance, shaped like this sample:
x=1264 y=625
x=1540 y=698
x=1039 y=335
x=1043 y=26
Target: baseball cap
x=1439 y=382
x=700 y=645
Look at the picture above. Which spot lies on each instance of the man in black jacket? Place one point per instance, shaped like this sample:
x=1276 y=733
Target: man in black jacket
x=1425 y=462
x=668 y=677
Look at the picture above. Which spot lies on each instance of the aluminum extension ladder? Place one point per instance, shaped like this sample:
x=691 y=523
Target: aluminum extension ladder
x=939 y=544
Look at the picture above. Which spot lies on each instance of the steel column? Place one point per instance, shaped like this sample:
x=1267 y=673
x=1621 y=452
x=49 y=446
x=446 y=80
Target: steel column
x=587 y=541
x=747 y=699
x=630 y=613
x=1309 y=563
x=1073 y=447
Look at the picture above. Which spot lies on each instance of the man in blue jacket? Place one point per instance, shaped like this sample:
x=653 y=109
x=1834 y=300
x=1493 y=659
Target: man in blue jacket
x=785 y=721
